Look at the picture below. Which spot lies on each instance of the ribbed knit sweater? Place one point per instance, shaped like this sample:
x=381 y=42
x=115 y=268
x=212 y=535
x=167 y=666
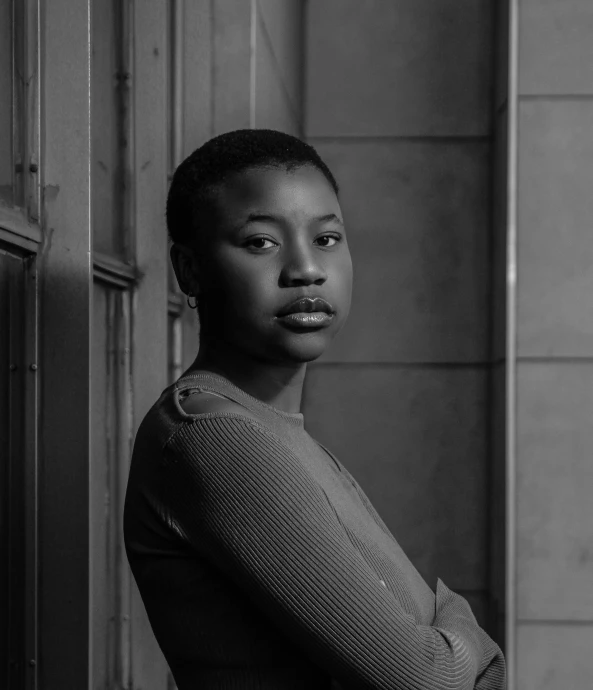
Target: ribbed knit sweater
x=262 y=564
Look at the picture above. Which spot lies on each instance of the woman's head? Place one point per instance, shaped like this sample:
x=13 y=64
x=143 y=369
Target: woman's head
x=256 y=226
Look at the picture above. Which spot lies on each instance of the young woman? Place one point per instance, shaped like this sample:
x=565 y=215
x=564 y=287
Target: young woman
x=261 y=562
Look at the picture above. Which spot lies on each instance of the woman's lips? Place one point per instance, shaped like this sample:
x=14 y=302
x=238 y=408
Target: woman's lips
x=314 y=319
x=306 y=312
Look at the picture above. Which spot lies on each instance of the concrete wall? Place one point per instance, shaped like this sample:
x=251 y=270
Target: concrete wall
x=399 y=103
x=552 y=568
x=242 y=67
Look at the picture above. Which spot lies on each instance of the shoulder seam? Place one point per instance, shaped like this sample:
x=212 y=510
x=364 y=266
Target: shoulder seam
x=207 y=416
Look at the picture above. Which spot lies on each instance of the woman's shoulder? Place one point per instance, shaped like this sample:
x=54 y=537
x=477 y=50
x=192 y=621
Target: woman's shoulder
x=208 y=415
x=200 y=403
x=214 y=425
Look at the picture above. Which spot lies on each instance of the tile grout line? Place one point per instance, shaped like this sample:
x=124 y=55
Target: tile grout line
x=437 y=139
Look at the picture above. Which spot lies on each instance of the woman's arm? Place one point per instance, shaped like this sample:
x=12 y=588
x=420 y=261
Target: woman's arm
x=246 y=502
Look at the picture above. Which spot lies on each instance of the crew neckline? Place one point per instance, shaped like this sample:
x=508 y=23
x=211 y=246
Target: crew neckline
x=290 y=416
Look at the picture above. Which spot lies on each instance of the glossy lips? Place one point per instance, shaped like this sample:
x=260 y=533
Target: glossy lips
x=307 y=312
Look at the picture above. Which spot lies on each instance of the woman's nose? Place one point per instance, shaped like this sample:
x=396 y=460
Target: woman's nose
x=302 y=267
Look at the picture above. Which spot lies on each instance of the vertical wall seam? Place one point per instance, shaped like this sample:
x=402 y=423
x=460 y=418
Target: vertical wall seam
x=252 y=63
x=90 y=283
x=303 y=64
x=178 y=9
x=212 y=68
x=511 y=345
x=128 y=124
x=275 y=63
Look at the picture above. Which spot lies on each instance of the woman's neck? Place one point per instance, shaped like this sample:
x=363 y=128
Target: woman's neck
x=279 y=385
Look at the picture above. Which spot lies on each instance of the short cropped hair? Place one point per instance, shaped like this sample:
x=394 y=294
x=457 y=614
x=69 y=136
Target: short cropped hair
x=191 y=194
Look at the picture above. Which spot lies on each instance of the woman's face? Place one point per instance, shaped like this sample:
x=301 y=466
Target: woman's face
x=275 y=271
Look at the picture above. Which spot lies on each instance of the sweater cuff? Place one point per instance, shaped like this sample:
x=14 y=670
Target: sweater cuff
x=454 y=617
x=456 y=622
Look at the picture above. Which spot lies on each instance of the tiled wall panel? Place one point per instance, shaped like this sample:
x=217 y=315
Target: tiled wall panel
x=555 y=485
x=554 y=657
x=415 y=440
x=399 y=68
x=554 y=528
x=555 y=247
x=399 y=103
x=556 y=47
x=418 y=224
x=417 y=221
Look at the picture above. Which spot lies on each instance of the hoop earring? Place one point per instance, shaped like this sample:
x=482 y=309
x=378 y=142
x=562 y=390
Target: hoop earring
x=189 y=304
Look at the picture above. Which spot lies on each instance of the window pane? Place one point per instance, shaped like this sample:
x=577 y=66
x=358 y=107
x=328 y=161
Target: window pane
x=6 y=193
x=109 y=470
x=108 y=145
x=12 y=471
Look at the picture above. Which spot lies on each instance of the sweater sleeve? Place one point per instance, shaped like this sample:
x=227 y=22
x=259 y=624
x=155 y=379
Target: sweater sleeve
x=245 y=501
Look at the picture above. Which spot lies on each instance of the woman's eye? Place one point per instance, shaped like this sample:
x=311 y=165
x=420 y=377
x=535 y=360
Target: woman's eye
x=260 y=243
x=328 y=240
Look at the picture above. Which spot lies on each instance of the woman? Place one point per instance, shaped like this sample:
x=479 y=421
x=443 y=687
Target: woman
x=260 y=561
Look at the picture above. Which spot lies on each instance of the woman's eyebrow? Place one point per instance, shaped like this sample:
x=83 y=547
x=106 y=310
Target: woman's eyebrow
x=330 y=217
x=270 y=218
x=262 y=218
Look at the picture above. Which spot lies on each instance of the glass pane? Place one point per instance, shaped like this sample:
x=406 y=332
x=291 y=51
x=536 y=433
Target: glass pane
x=108 y=145
x=109 y=469
x=175 y=347
x=6 y=193
x=100 y=496
x=12 y=471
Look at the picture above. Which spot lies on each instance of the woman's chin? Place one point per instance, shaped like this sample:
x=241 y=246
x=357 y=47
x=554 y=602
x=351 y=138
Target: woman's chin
x=306 y=347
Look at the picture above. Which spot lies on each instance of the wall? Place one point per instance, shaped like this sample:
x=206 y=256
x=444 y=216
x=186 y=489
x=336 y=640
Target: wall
x=453 y=384
x=242 y=67
x=552 y=137
x=398 y=102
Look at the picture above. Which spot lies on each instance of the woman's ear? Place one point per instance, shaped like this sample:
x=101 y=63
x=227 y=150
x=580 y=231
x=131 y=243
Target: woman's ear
x=186 y=270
